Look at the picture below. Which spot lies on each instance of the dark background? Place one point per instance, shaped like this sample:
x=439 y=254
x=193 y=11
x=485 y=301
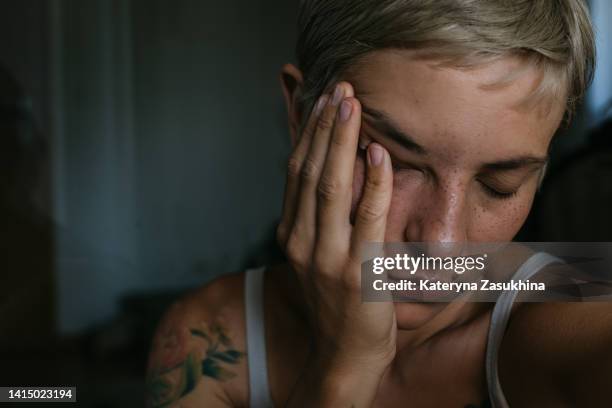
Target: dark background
x=142 y=153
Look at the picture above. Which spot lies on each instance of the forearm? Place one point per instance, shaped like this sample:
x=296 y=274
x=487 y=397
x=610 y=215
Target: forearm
x=327 y=384
x=324 y=247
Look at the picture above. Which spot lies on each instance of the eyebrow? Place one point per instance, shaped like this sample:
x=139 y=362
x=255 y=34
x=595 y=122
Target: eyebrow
x=516 y=163
x=385 y=125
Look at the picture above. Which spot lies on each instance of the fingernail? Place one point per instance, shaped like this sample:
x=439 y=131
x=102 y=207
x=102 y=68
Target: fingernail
x=320 y=104
x=363 y=144
x=338 y=94
x=345 y=110
x=375 y=153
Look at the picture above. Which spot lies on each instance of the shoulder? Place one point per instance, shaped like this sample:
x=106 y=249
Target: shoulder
x=558 y=352
x=199 y=348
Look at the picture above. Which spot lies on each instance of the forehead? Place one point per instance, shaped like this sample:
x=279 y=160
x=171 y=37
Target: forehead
x=428 y=100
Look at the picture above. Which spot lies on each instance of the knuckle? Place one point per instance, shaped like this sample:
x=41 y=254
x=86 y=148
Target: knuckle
x=294 y=166
x=328 y=189
x=324 y=123
x=329 y=260
x=281 y=235
x=351 y=282
x=374 y=184
x=295 y=252
x=310 y=170
x=325 y=265
x=353 y=258
x=370 y=212
x=320 y=265
x=309 y=130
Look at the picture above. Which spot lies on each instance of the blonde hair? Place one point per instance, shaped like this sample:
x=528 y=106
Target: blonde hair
x=555 y=36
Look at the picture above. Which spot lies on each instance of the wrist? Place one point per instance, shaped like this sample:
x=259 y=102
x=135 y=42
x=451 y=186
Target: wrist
x=334 y=380
x=346 y=360
x=346 y=378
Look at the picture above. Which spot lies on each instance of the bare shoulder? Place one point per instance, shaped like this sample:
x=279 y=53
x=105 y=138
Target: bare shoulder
x=198 y=351
x=560 y=352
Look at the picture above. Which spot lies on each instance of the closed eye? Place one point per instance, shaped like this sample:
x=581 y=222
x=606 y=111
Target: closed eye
x=403 y=166
x=500 y=195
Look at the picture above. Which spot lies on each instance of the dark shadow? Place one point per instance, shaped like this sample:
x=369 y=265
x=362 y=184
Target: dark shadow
x=575 y=202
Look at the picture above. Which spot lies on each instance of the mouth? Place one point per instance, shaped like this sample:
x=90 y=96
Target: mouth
x=415 y=292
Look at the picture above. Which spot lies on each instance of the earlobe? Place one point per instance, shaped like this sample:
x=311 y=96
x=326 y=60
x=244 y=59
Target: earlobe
x=291 y=83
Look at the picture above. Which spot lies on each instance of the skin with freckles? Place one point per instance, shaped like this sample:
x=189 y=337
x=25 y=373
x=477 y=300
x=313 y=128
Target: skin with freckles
x=463 y=129
x=466 y=169
x=466 y=160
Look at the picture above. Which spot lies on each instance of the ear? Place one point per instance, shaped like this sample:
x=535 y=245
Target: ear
x=292 y=84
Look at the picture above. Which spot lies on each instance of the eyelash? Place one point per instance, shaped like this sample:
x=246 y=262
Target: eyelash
x=491 y=192
x=496 y=194
x=402 y=167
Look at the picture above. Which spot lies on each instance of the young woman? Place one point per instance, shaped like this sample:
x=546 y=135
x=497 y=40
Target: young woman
x=411 y=121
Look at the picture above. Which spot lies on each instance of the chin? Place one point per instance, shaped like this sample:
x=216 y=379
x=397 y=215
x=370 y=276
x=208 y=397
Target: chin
x=413 y=315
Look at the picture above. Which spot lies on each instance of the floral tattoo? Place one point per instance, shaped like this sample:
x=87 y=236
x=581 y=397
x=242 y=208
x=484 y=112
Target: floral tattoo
x=180 y=357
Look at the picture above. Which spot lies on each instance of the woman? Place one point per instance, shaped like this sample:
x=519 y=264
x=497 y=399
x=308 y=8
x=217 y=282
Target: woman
x=411 y=121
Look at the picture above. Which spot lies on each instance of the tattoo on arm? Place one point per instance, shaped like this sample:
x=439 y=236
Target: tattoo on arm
x=180 y=357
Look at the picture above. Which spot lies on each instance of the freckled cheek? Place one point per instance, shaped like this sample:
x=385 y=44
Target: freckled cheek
x=410 y=195
x=501 y=223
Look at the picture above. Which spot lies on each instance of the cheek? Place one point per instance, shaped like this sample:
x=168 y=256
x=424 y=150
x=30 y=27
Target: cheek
x=500 y=222
x=487 y=220
x=409 y=195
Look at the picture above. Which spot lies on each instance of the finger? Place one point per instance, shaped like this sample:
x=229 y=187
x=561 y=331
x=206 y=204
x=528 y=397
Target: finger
x=304 y=224
x=336 y=184
x=294 y=168
x=371 y=215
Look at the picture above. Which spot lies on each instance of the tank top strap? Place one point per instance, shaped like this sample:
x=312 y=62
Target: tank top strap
x=259 y=389
x=499 y=322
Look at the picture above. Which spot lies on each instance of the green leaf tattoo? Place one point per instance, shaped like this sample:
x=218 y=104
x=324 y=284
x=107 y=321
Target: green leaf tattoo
x=167 y=384
x=229 y=356
x=190 y=375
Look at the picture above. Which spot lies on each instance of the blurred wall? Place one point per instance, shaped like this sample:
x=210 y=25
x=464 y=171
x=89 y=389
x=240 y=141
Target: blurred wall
x=169 y=140
x=600 y=95
x=167 y=136
x=27 y=279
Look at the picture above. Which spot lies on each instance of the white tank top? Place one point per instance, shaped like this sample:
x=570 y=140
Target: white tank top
x=259 y=389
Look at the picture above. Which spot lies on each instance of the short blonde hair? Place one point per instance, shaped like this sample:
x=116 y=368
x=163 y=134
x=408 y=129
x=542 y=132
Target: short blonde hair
x=556 y=36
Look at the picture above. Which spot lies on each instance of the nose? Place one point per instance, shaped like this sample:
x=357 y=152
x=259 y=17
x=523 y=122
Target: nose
x=440 y=216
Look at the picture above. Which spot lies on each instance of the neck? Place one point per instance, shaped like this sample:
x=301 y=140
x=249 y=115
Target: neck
x=448 y=319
